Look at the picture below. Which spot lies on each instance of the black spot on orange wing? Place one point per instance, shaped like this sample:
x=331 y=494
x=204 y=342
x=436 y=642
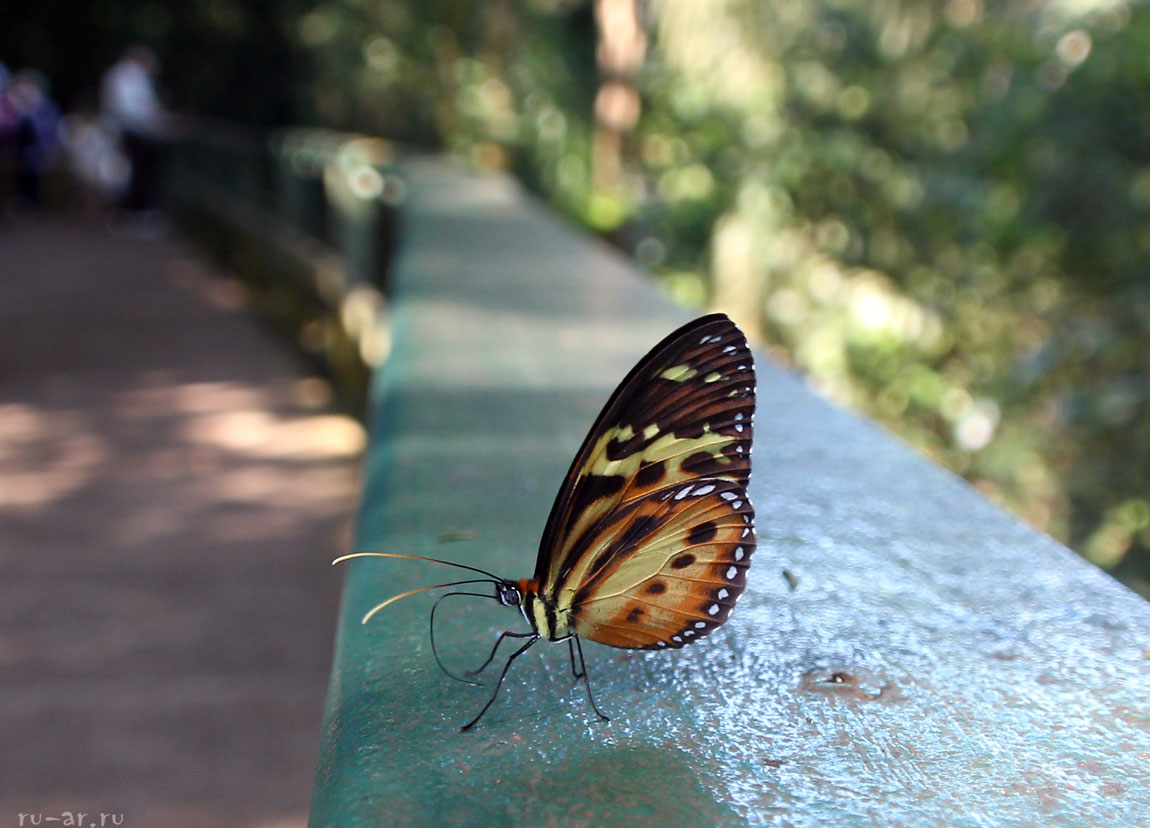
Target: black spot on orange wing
x=650 y=474
x=633 y=615
x=683 y=561
x=656 y=588
x=619 y=449
x=639 y=529
x=702 y=533
x=598 y=486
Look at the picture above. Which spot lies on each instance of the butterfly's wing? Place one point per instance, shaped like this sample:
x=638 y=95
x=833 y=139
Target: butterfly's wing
x=682 y=415
x=666 y=569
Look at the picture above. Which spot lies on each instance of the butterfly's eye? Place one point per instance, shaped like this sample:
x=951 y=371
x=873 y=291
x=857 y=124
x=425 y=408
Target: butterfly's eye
x=508 y=594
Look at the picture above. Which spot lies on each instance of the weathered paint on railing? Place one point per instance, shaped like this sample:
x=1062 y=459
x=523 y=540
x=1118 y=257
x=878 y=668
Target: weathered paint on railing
x=905 y=653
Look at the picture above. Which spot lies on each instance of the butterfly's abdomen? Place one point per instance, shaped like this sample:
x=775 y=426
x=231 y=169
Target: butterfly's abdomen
x=549 y=622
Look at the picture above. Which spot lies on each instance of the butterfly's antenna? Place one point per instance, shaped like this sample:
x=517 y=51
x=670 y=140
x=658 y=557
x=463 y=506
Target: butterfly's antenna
x=435 y=652
x=395 y=598
x=413 y=558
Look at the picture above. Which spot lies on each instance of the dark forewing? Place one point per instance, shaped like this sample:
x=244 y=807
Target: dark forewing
x=683 y=414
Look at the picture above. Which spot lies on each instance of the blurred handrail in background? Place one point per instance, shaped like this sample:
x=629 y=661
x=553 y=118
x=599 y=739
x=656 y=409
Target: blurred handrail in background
x=305 y=218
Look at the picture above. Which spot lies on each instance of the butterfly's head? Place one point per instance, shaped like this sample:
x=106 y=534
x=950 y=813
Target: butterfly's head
x=508 y=593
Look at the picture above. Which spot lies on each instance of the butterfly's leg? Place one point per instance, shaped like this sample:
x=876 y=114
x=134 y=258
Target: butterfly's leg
x=583 y=675
x=495 y=649
x=498 y=684
x=571 y=652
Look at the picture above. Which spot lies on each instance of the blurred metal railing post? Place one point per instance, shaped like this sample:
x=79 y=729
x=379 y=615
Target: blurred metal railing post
x=305 y=217
x=362 y=189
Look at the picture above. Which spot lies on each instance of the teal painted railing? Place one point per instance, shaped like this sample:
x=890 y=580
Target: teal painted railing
x=905 y=653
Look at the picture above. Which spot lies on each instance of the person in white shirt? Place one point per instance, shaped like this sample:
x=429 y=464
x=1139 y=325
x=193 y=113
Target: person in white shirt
x=128 y=97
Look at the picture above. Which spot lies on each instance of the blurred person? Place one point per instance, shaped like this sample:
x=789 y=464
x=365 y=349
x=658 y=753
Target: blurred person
x=97 y=162
x=128 y=98
x=36 y=143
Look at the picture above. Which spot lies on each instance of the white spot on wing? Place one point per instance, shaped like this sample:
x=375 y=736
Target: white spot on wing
x=686 y=490
x=728 y=495
x=713 y=609
x=704 y=490
x=723 y=594
x=700 y=625
x=739 y=550
x=732 y=573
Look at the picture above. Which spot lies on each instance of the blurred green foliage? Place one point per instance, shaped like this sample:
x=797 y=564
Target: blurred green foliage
x=946 y=212
x=938 y=211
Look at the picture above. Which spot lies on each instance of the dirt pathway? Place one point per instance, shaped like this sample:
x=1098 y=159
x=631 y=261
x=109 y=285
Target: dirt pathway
x=171 y=490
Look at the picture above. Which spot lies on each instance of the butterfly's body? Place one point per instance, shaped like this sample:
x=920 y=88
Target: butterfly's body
x=649 y=539
x=545 y=618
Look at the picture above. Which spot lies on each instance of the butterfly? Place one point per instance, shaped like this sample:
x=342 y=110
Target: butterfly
x=648 y=542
